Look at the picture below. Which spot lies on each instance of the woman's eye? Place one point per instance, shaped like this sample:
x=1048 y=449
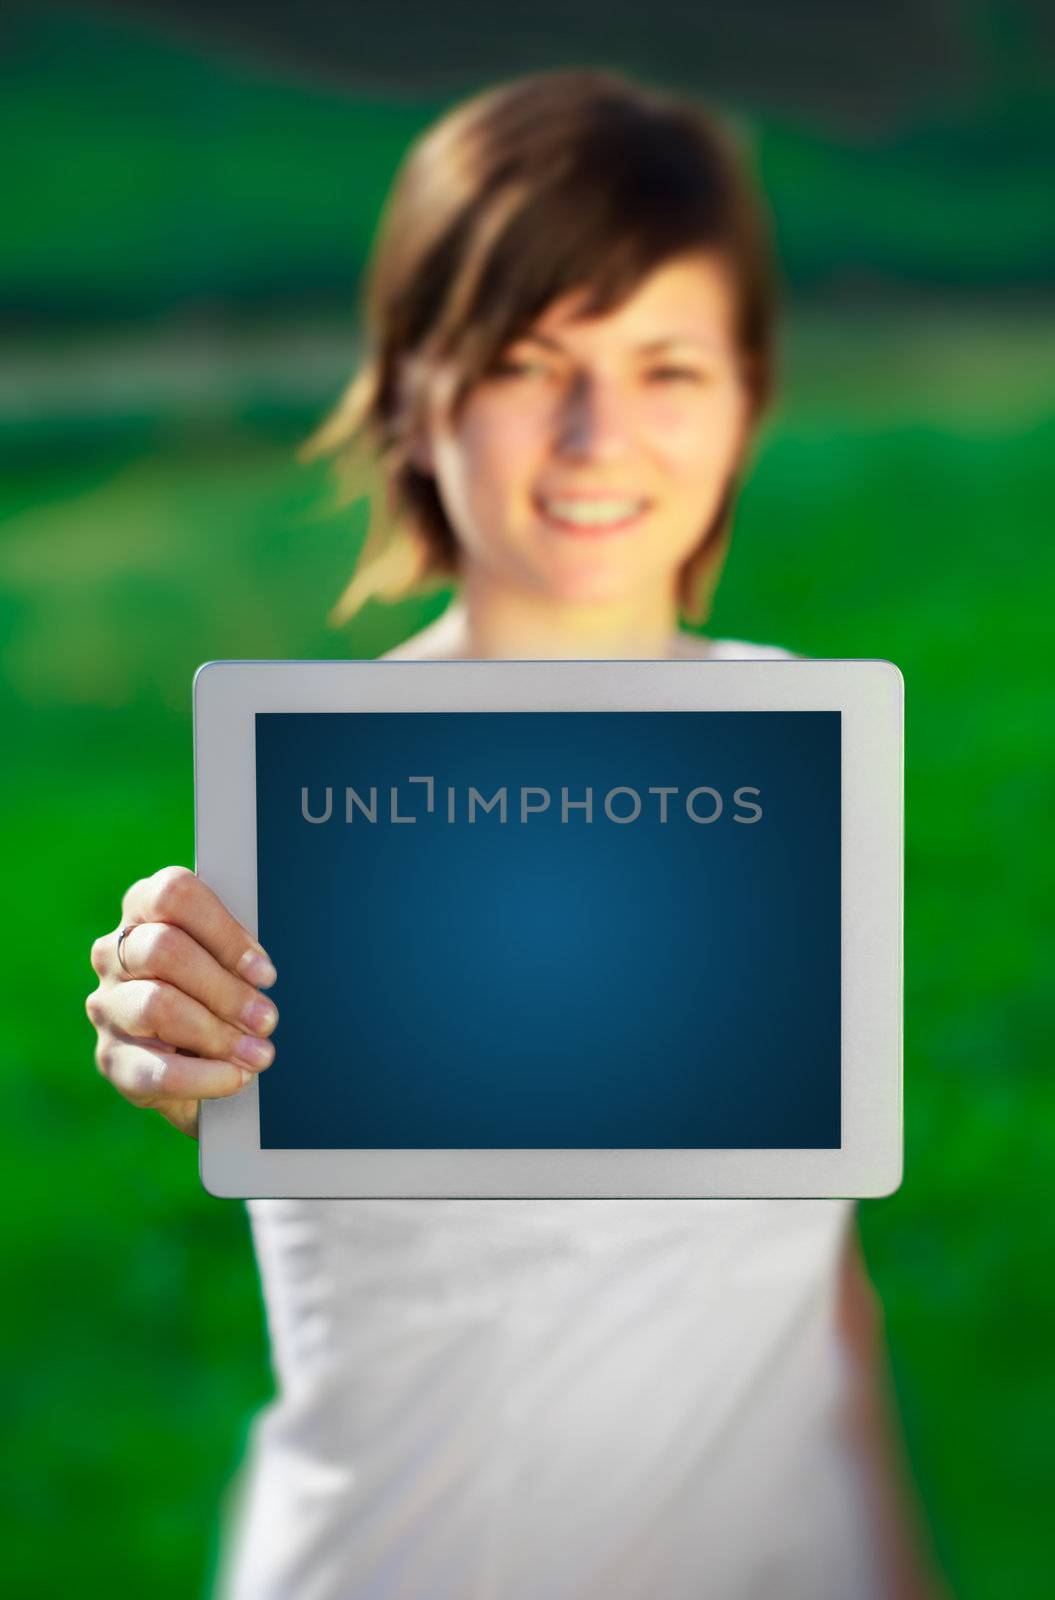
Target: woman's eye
x=511 y=368
x=673 y=374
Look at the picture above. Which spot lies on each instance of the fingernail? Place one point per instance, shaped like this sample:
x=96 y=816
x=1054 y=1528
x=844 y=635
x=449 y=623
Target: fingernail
x=260 y=1015
x=258 y=1052
x=245 y=1076
x=257 y=969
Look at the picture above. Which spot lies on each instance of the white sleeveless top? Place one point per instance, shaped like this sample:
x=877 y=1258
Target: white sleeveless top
x=551 y=1399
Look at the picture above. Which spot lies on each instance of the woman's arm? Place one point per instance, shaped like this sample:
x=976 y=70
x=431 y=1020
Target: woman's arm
x=910 y=1571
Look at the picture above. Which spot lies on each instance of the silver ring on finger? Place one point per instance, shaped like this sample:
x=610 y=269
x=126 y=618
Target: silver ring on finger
x=121 y=937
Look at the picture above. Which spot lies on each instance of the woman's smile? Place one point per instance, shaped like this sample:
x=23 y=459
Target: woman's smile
x=591 y=515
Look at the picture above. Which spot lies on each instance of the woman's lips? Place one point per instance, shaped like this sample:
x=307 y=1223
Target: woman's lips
x=591 y=515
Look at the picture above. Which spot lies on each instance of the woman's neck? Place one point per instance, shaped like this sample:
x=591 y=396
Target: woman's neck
x=504 y=621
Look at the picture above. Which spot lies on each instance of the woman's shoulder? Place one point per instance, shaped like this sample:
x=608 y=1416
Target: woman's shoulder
x=443 y=639
x=695 y=646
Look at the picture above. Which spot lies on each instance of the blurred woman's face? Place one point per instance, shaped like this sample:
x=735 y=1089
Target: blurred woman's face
x=590 y=461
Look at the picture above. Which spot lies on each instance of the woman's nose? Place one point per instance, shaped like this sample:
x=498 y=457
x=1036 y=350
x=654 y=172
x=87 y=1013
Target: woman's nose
x=592 y=420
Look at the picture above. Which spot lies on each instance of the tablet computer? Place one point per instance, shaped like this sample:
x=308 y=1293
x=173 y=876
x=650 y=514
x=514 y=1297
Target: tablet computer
x=561 y=928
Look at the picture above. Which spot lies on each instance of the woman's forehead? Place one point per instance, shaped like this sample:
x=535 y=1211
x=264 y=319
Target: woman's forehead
x=686 y=300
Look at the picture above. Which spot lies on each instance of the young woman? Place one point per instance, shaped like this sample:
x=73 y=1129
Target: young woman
x=570 y=341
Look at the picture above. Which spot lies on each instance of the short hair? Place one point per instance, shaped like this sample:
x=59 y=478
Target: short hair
x=577 y=179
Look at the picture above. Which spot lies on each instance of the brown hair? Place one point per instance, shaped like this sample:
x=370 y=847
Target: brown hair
x=567 y=180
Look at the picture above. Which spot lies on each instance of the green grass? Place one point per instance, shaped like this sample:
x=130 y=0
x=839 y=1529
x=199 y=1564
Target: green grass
x=899 y=508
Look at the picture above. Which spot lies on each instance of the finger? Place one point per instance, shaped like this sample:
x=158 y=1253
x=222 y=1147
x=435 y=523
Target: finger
x=177 y=895
x=150 y=1075
x=146 y=1008
x=161 y=950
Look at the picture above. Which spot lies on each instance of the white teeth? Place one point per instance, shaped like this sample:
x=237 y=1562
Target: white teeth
x=592 y=513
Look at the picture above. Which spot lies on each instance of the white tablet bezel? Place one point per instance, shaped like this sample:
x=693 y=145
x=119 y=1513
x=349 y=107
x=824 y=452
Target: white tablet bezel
x=869 y=694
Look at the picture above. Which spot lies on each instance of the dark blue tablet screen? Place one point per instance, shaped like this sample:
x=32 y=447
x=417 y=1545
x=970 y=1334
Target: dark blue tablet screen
x=554 y=930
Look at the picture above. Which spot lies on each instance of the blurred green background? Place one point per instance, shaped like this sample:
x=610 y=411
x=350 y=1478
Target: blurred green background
x=188 y=207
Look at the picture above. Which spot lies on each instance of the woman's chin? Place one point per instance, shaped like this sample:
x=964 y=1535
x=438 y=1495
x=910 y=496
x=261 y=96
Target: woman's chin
x=591 y=582
x=588 y=594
